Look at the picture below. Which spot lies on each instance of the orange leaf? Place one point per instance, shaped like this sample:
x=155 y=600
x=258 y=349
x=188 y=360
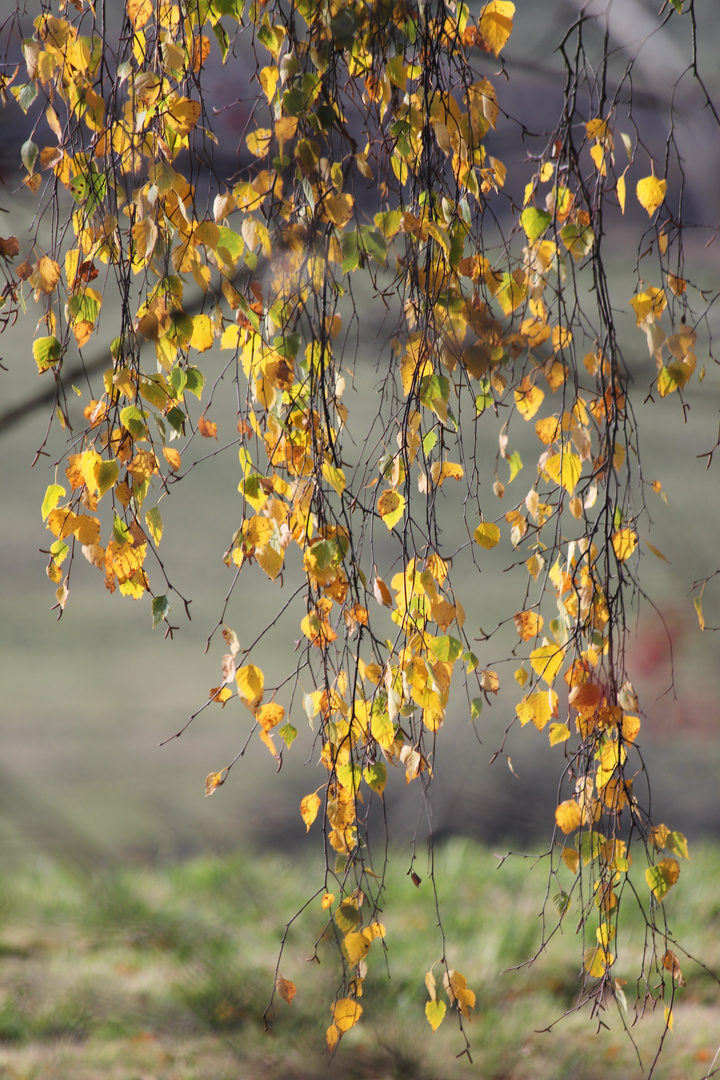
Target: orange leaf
x=381 y=592
x=207 y=428
x=285 y=989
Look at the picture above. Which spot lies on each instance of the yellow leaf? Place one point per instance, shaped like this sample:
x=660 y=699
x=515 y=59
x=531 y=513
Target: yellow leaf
x=139 y=11
x=335 y=477
x=220 y=694
x=270 y=715
x=448 y=470
x=558 y=733
x=435 y=1012
x=621 y=192
x=568 y=816
x=338 y=209
x=328 y=900
x=596 y=961
x=490 y=681
x=496 y=23
x=346 y=1014
x=624 y=542
x=565 y=469
x=528 y=624
x=212 y=781
x=202 y=335
x=651 y=193
x=332 y=1037
x=250 y=682
x=309 y=807
x=662 y=877
x=285 y=988
x=697 y=603
x=571 y=858
x=528 y=399
x=668 y=1018
x=268 y=80
x=355 y=946
x=46 y=276
x=391 y=507
x=538 y=708
x=487 y=535
x=546 y=661
x=172 y=457
x=182 y=115
x=258 y=141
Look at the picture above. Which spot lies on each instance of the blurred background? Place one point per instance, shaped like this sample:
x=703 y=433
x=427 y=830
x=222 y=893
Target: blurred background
x=87 y=699
x=169 y=954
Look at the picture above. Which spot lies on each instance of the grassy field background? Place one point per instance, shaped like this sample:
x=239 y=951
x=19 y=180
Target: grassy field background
x=165 y=973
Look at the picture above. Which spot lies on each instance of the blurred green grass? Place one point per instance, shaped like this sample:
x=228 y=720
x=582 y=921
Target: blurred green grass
x=166 y=973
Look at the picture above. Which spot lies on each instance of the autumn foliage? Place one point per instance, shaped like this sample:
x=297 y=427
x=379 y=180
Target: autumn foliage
x=367 y=168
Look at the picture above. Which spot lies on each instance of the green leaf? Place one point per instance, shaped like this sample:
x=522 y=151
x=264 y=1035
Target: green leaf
x=26 y=95
x=120 y=531
x=349 y=776
x=194 y=381
x=222 y=38
x=515 y=462
x=476 y=707
x=160 y=609
x=445 y=648
x=534 y=222
x=578 y=239
x=106 y=474
x=133 y=419
x=28 y=154
x=53 y=495
x=677 y=843
x=373 y=243
x=375 y=776
x=154 y=522
x=288 y=733
x=47 y=351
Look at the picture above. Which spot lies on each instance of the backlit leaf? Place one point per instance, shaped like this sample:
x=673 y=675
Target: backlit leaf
x=286 y=989
x=564 y=469
x=346 y=1013
x=568 y=816
x=53 y=495
x=546 y=661
x=250 y=682
x=309 y=807
x=435 y=1012
x=558 y=733
x=160 y=609
x=624 y=542
x=391 y=507
x=534 y=222
x=528 y=624
x=270 y=715
x=154 y=523
x=487 y=535
x=214 y=781
x=334 y=476
x=375 y=776
x=496 y=23
x=651 y=193
x=662 y=877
